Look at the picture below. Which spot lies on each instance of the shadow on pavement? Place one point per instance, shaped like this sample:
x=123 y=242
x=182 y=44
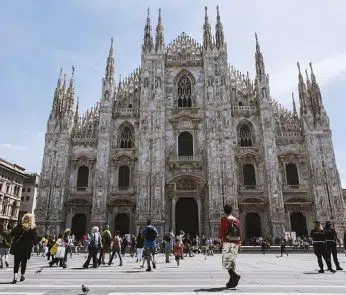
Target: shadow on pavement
x=212 y=289
x=5 y=283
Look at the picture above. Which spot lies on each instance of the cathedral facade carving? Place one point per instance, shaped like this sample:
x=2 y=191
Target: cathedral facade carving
x=181 y=136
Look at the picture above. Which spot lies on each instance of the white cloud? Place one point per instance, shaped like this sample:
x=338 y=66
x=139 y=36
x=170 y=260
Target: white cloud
x=13 y=147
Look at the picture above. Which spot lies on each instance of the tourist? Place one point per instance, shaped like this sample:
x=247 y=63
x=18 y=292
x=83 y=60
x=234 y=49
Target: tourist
x=5 y=244
x=178 y=250
x=319 y=242
x=139 y=246
x=94 y=246
x=150 y=236
x=168 y=242
x=116 y=249
x=230 y=235
x=106 y=243
x=59 y=252
x=24 y=238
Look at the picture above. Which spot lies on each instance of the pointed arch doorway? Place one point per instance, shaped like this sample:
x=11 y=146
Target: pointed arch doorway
x=122 y=223
x=186 y=216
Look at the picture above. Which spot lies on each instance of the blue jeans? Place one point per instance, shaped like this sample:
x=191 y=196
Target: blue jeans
x=119 y=255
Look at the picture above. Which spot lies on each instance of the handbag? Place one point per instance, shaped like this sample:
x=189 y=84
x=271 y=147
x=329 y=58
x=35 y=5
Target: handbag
x=60 y=252
x=15 y=245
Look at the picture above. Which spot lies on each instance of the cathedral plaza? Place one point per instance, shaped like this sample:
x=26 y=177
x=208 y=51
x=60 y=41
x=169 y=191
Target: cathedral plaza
x=182 y=135
x=261 y=274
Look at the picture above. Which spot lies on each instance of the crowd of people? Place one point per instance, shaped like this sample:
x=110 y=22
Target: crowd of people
x=22 y=242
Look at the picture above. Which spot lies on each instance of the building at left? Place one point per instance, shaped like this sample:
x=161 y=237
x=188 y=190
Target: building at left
x=12 y=178
x=29 y=194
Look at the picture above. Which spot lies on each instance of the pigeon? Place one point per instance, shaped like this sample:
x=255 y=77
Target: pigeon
x=39 y=271
x=85 y=289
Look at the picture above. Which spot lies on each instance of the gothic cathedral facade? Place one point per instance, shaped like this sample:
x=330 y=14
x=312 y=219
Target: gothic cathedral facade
x=181 y=136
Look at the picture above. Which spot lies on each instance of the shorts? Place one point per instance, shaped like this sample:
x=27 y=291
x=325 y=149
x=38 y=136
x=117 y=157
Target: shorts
x=4 y=251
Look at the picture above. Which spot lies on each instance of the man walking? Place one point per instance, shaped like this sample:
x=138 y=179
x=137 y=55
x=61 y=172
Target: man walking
x=230 y=235
x=150 y=235
x=331 y=238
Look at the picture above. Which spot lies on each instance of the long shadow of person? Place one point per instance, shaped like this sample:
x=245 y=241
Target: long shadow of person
x=219 y=289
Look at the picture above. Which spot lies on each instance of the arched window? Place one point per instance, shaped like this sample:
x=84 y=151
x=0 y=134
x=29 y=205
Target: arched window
x=249 y=175
x=124 y=177
x=292 y=174
x=184 y=92
x=13 y=209
x=82 y=178
x=125 y=138
x=245 y=136
x=185 y=144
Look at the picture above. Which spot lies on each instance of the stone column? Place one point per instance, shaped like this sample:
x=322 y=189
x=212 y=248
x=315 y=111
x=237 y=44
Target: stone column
x=174 y=201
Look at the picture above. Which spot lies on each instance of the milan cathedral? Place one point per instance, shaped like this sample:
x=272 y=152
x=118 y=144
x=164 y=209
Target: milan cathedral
x=181 y=136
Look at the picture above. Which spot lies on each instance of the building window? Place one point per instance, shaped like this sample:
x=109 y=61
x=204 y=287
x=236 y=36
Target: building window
x=124 y=177
x=7 y=189
x=23 y=190
x=27 y=198
x=22 y=198
x=185 y=144
x=82 y=178
x=245 y=136
x=126 y=137
x=28 y=189
x=249 y=175
x=184 y=92
x=292 y=174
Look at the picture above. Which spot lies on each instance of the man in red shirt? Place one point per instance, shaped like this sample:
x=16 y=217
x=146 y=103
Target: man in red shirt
x=230 y=235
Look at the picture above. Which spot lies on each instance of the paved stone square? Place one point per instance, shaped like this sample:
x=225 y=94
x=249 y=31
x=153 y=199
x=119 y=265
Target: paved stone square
x=264 y=274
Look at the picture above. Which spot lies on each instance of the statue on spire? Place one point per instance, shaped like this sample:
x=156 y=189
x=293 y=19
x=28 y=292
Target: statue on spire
x=109 y=73
x=220 y=39
x=159 y=40
x=207 y=37
x=148 y=39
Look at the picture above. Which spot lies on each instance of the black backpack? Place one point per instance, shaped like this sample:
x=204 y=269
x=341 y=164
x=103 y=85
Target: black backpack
x=150 y=234
x=167 y=238
x=233 y=230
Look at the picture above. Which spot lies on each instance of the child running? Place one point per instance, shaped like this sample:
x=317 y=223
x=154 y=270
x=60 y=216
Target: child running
x=178 y=250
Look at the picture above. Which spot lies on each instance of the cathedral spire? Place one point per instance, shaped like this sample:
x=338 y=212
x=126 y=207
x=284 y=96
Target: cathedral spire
x=207 y=38
x=294 y=105
x=109 y=73
x=220 y=39
x=260 y=69
x=57 y=94
x=70 y=91
x=148 y=39
x=315 y=90
x=159 y=40
x=302 y=91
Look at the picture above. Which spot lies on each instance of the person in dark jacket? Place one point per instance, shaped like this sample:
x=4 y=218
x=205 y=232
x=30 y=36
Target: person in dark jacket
x=5 y=243
x=331 y=238
x=24 y=238
x=318 y=236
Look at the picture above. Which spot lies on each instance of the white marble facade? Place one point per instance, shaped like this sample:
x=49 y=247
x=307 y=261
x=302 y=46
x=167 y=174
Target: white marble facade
x=182 y=135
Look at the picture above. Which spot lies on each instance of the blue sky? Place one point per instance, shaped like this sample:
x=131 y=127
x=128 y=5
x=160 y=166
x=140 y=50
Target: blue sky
x=39 y=37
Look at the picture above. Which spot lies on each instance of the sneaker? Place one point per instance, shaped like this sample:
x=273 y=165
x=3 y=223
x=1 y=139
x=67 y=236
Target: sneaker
x=338 y=268
x=321 y=271
x=148 y=269
x=22 y=278
x=332 y=270
x=14 y=281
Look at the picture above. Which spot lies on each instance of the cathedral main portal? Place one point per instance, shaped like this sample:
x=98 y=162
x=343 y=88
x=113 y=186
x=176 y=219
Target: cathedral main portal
x=186 y=216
